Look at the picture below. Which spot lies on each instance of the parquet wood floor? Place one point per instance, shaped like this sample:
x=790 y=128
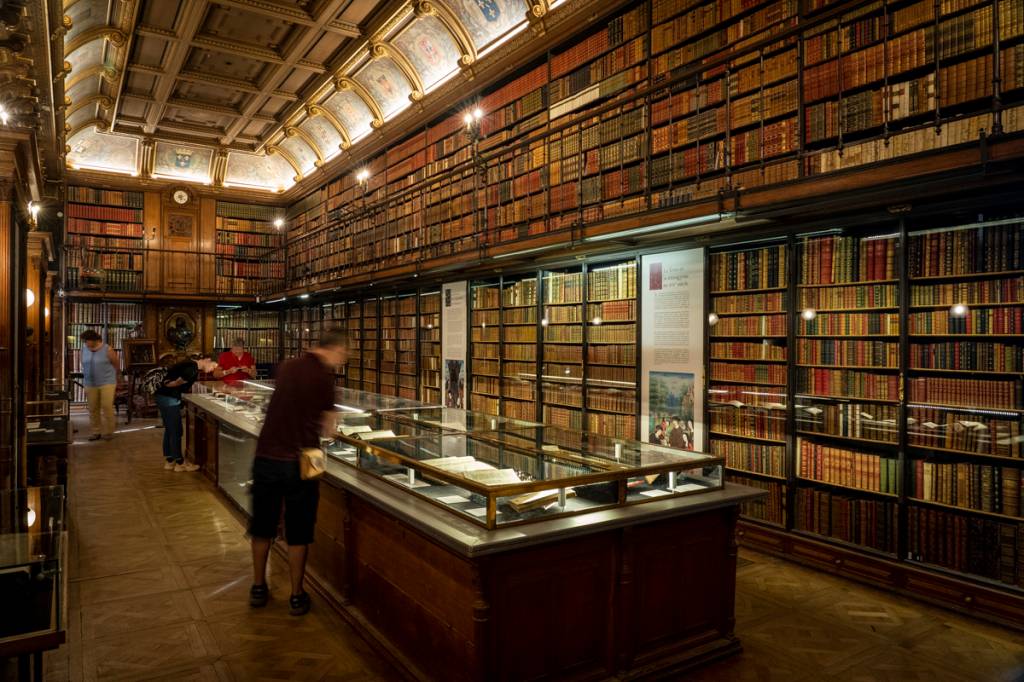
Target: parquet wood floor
x=159 y=576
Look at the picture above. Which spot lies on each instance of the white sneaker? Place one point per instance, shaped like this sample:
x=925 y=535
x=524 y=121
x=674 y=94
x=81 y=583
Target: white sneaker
x=168 y=465
x=187 y=466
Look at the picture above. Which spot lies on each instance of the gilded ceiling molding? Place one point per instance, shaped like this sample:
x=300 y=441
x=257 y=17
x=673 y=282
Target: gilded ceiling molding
x=346 y=83
x=292 y=131
x=114 y=35
x=99 y=123
x=537 y=9
x=103 y=100
x=105 y=72
x=66 y=24
x=317 y=110
x=220 y=167
x=148 y=152
x=380 y=50
x=454 y=25
x=274 y=149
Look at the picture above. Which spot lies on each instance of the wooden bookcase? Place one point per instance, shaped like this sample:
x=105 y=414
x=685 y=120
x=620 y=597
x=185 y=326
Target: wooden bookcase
x=260 y=329
x=105 y=242
x=112 y=320
x=250 y=248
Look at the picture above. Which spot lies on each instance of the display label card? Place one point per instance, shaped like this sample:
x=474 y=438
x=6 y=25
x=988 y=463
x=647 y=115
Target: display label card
x=477 y=511
x=453 y=499
x=655 y=493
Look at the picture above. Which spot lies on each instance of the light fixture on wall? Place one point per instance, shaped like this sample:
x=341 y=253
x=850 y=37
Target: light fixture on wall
x=4 y=116
x=30 y=298
x=33 y=212
x=279 y=223
x=363 y=176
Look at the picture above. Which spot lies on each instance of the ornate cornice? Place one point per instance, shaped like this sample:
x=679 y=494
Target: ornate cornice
x=385 y=50
x=454 y=25
x=107 y=73
x=114 y=35
x=103 y=100
x=274 y=149
x=346 y=83
x=292 y=131
x=317 y=110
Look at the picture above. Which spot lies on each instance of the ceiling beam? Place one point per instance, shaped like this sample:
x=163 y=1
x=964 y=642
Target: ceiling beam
x=343 y=28
x=191 y=16
x=292 y=59
x=290 y=14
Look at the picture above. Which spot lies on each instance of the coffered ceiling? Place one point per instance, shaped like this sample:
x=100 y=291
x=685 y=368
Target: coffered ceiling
x=258 y=93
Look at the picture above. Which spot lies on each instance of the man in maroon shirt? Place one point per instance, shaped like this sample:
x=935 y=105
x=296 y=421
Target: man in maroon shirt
x=301 y=409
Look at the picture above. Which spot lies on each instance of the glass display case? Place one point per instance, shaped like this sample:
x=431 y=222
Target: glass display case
x=516 y=472
x=32 y=559
x=46 y=421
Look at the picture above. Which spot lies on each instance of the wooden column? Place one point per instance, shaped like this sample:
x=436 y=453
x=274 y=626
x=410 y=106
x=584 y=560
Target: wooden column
x=8 y=322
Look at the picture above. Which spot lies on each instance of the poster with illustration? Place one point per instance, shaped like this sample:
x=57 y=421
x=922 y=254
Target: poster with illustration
x=454 y=343
x=670 y=399
x=455 y=383
x=672 y=356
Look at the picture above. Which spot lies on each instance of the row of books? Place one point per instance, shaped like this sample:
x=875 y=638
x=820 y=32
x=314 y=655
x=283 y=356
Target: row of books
x=754 y=325
x=865 y=522
x=991 y=393
x=847 y=468
x=97 y=227
x=850 y=324
x=861 y=421
x=770 y=508
x=1006 y=290
x=847 y=384
x=759 y=458
x=834 y=260
x=994 y=248
x=968 y=544
x=774 y=374
x=743 y=350
x=981 y=321
x=755 y=269
x=109 y=214
x=980 y=487
x=613 y=400
x=750 y=303
x=129 y=314
x=972 y=432
x=968 y=356
x=92 y=195
x=120 y=281
x=839 y=352
x=749 y=423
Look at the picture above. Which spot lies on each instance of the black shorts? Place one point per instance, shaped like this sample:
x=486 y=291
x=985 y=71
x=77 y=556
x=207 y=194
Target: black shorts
x=277 y=483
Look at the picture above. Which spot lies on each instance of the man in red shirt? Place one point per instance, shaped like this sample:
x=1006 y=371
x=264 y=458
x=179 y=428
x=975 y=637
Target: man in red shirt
x=235 y=365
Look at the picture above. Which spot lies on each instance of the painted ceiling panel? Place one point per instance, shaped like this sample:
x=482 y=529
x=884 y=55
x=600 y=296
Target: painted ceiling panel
x=301 y=152
x=427 y=44
x=85 y=15
x=265 y=171
x=488 y=20
x=353 y=113
x=185 y=161
x=386 y=84
x=93 y=149
x=321 y=130
x=90 y=54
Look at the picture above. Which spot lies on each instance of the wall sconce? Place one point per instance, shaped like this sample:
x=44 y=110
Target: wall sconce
x=363 y=176
x=4 y=116
x=279 y=223
x=30 y=298
x=33 y=212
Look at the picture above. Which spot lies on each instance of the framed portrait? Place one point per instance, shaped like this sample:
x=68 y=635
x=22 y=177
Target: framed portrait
x=139 y=353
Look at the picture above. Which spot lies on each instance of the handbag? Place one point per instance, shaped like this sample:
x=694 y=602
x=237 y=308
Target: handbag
x=312 y=463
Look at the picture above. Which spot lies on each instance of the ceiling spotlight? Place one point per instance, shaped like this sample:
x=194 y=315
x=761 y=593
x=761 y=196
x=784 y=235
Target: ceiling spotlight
x=808 y=314
x=712 y=319
x=279 y=223
x=958 y=310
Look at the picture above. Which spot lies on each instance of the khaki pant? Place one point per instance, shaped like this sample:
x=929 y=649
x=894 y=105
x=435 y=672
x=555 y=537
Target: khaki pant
x=101 y=408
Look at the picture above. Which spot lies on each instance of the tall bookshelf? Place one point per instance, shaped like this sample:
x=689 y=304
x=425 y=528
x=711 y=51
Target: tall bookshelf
x=611 y=348
x=747 y=380
x=430 y=347
x=250 y=249
x=260 y=329
x=562 y=362
x=388 y=342
x=847 y=400
x=354 y=324
x=485 y=347
x=964 y=399
x=406 y=367
x=105 y=240
x=335 y=316
x=113 y=321
x=519 y=297
x=370 y=345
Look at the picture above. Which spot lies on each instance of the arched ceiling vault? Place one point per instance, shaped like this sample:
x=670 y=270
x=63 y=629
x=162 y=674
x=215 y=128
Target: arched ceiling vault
x=249 y=79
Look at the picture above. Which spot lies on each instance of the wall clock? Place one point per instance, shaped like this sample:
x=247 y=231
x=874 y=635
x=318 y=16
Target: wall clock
x=180 y=197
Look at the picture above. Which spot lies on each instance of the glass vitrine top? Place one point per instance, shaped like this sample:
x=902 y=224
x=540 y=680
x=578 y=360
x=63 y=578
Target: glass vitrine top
x=33 y=525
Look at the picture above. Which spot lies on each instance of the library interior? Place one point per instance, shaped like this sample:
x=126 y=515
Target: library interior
x=592 y=339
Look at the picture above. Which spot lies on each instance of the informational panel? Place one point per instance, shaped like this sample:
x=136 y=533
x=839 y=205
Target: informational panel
x=672 y=356
x=455 y=380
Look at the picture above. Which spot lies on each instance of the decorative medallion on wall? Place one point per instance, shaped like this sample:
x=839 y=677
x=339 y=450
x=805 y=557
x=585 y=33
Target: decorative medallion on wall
x=180 y=330
x=180 y=225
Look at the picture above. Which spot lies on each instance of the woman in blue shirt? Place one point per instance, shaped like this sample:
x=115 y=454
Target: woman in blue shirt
x=101 y=375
